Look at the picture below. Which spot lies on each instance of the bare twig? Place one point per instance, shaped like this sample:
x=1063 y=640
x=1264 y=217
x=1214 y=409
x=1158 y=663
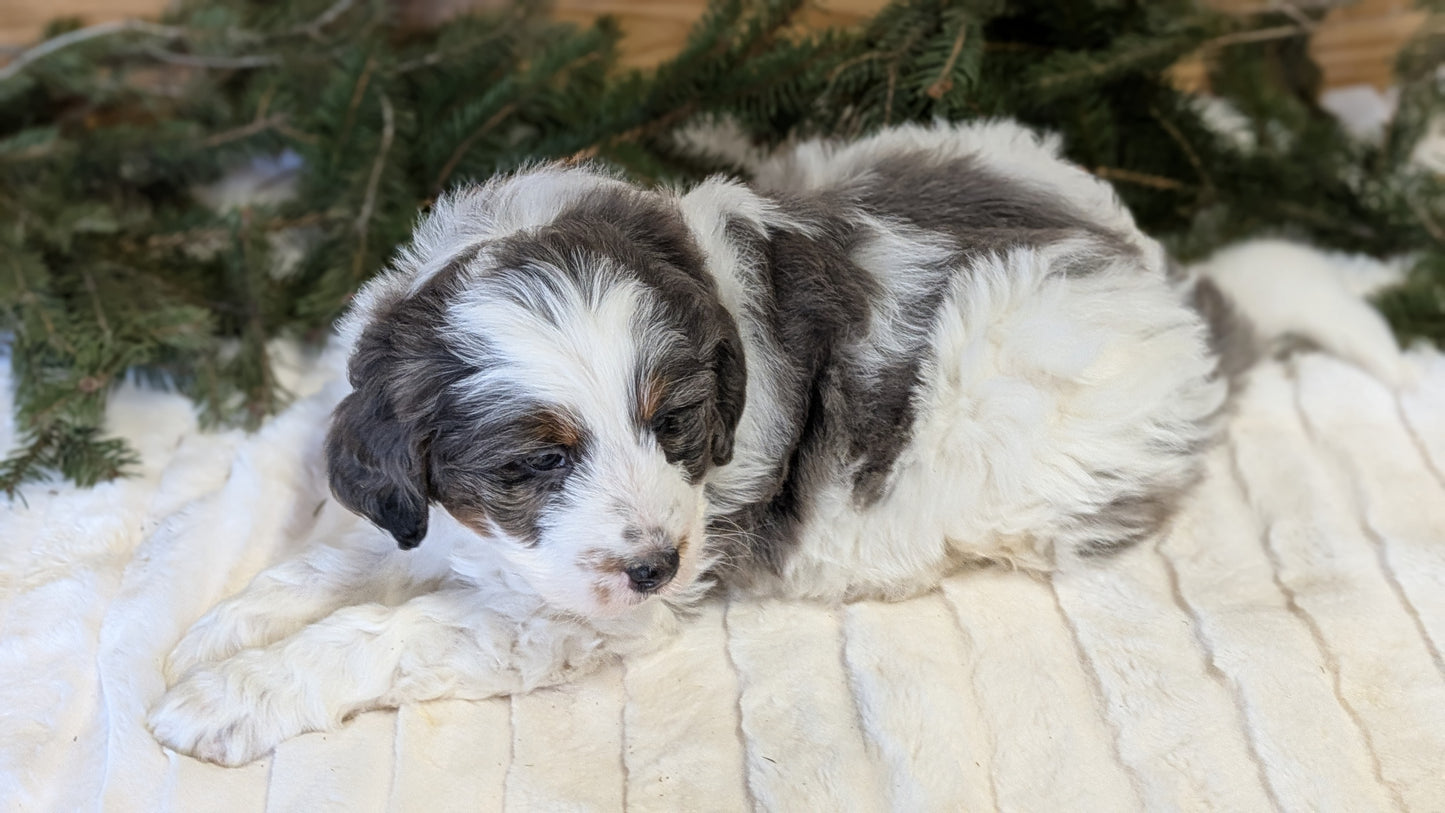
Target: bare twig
x=216 y=62
x=838 y=70
x=325 y=18
x=426 y=61
x=291 y=132
x=80 y=35
x=1294 y=12
x=1426 y=220
x=1279 y=32
x=850 y=62
x=257 y=126
x=1104 y=67
x=944 y=82
x=650 y=128
x=95 y=303
x=190 y=236
x=33 y=151
x=357 y=93
x=298 y=135
x=895 y=55
x=368 y=205
x=582 y=156
x=1187 y=148
x=1014 y=47
x=1324 y=220
x=467 y=143
x=1139 y=178
x=264 y=103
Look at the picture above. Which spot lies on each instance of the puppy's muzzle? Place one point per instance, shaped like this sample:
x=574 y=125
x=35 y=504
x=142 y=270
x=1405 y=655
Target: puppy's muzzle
x=653 y=571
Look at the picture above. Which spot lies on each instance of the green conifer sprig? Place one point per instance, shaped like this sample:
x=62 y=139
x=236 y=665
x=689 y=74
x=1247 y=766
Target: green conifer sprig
x=111 y=264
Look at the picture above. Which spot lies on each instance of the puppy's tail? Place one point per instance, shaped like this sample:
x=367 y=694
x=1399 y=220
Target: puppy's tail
x=1270 y=295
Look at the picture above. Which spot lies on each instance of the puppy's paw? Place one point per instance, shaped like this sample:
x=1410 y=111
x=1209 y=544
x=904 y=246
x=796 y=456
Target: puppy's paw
x=231 y=713
x=224 y=631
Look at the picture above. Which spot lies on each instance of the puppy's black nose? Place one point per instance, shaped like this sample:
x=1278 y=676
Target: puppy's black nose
x=654 y=571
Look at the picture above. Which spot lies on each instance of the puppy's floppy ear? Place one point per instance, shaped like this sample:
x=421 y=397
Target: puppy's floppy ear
x=377 y=467
x=730 y=371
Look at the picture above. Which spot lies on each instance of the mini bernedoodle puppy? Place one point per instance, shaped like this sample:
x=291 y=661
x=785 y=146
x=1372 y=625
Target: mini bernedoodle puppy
x=591 y=405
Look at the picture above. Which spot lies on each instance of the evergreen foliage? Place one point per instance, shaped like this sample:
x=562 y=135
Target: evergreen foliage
x=112 y=265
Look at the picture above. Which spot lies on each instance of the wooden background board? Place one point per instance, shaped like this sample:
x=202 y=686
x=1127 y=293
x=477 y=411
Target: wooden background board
x=1354 y=45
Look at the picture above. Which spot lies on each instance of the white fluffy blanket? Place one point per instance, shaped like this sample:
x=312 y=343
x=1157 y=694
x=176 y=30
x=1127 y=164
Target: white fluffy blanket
x=1280 y=649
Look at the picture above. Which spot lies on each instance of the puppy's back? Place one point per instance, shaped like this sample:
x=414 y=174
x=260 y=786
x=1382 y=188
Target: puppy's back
x=989 y=185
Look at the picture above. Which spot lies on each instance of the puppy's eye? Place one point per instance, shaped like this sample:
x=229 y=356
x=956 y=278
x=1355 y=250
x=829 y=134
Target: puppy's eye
x=554 y=460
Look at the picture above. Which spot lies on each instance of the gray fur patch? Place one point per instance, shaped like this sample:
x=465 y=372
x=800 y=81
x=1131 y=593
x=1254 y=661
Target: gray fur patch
x=1128 y=520
x=813 y=302
x=1231 y=336
x=981 y=211
x=850 y=413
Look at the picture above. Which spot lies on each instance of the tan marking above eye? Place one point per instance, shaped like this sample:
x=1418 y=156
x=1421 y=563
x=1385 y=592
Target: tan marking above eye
x=556 y=428
x=649 y=398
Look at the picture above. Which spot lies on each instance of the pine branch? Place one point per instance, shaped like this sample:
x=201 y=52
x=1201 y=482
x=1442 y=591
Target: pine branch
x=110 y=266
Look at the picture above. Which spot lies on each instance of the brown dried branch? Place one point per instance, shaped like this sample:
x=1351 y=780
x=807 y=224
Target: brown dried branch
x=1139 y=178
x=325 y=18
x=1187 y=148
x=944 y=82
x=467 y=143
x=357 y=93
x=1280 y=32
x=259 y=125
x=245 y=62
x=363 y=218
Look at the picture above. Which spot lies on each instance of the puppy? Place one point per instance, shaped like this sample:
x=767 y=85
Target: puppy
x=591 y=405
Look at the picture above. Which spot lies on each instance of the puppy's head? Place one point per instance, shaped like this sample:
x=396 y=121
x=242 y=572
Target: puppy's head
x=551 y=365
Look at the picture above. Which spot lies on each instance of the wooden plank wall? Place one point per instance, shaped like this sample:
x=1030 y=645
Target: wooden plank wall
x=1355 y=45
x=21 y=21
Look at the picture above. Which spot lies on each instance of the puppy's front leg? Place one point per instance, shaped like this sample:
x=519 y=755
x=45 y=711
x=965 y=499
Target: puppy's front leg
x=372 y=656
x=279 y=601
x=346 y=561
